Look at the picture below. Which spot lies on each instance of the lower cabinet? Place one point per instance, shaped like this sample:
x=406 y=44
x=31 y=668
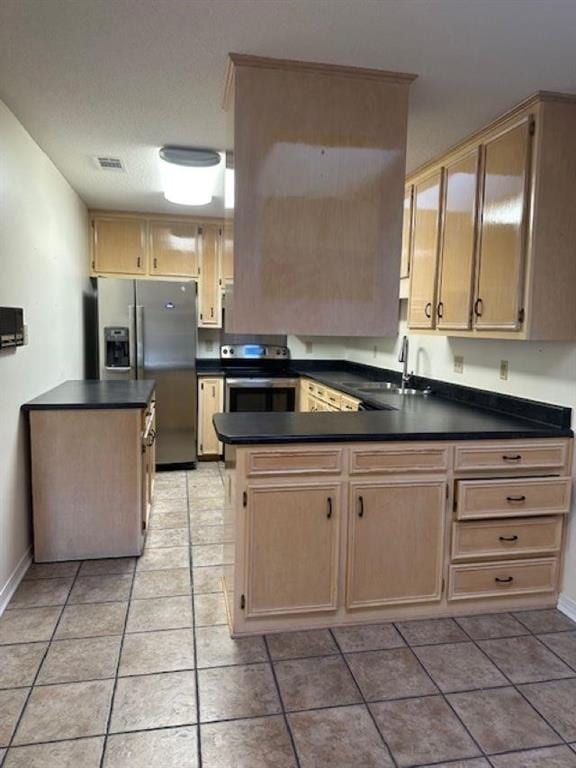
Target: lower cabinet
x=395 y=542
x=210 y=402
x=292 y=548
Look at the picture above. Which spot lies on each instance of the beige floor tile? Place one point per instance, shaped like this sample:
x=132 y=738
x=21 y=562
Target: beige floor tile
x=166 y=748
x=209 y=578
x=51 y=570
x=550 y=757
x=154 y=701
x=257 y=743
x=373 y=637
x=215 y=648
x=167 y=520
x=206 y=504
x=207 y=517
x=83 y=753
x=210 y=609
x=108 y=567
x=339 y=738
x=556 y=702
x=563 y=644
x=422 y=730
x=316 y=682
x=101 y=589
x=491 y=626
x=293 y=645
x=429 y=631
x=169 y=583
x=92 y=620
x=169 y=494
x=11 y=705
x=167 y=537
x=213 y=554
x=169 y=506
x=208 y=489
x=163 y=559
x=19 y=664
x=525 y=659
x=391 y=674
x=459 y=667
x=228 y=693
x=145 y=653
x=71 y=661
x=501 y=720
x=28 y=625
x=212 y=534
x=160 y=613
x=59 y=712
x=41 y=592
x=549 y=620
x=2 y=753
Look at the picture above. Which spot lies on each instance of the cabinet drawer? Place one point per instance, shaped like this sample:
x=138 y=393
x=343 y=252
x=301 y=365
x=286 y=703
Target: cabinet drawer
x=349 y=403
x=375 y=460
x=515 y=577
x=289 y=462
x=518 y=455
x=477 y=499
x=506 y=538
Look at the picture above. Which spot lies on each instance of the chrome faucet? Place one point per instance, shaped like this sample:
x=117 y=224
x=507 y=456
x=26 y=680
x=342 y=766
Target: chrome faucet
x=403 y=358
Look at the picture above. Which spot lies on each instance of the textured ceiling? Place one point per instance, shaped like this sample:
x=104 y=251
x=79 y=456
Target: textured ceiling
x=123 y=77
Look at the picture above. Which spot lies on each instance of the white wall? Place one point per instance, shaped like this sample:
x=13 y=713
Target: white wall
x=539 y=371
x=44 y=269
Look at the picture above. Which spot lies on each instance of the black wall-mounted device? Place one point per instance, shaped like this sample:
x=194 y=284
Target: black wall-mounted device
x=11 y=327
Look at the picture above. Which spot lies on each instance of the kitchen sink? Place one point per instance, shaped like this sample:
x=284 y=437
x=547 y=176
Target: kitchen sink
x=370 y=386
x=393 y=390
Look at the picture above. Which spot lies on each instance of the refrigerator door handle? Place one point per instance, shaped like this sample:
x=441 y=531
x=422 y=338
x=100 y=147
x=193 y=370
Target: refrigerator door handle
x=139 y=341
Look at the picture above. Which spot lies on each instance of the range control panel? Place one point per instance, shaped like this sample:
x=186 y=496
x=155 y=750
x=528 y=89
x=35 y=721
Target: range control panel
x=254 y=352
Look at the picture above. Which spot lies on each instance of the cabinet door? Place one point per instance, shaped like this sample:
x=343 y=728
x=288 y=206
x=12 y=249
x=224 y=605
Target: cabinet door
x=119 y=246
x=424 y=252
x=174 y=249
x=228 y=252
x=396 y=542
x=210 y=401
x=503 y=229
x=210 y=298
x=406 y=233
x=458 y=242
x=292 y=548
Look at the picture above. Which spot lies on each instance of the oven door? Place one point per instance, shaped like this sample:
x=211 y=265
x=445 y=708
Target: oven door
x=254 y=395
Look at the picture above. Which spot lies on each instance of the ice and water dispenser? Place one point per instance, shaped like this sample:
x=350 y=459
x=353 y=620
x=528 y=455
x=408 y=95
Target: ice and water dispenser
x=117 y=345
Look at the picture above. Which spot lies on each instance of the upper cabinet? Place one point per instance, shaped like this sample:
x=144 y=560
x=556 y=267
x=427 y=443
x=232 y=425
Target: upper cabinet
x=228 y=252
x=319 y=159
x=210 y=295
x=504 y=262
x=174 y=248
x=119 y=245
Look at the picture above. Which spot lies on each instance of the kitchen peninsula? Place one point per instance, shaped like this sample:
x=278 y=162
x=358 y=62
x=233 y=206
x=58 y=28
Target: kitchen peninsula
x=426 y=506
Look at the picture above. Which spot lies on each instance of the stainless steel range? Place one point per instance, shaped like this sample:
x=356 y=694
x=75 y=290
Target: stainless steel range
x=258 y=378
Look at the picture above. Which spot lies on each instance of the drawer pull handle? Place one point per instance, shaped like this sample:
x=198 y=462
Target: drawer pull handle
x=329 y=513
x=516 y=457
x=512 y=499
x=428 y=310
x=361 y=505
x=508 y=538
x=504 y=579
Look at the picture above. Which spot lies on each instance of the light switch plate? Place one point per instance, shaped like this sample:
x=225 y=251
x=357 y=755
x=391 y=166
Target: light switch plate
x=458 y=364
x=504 y=370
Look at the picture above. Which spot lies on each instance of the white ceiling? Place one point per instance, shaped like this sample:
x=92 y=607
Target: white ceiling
x=123 y=77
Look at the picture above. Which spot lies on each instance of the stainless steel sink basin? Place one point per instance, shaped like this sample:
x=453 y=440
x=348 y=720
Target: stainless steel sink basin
x=370 y=386
x=394 y=390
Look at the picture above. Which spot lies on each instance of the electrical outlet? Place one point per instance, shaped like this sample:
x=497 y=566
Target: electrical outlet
x=504 y=370
x=308 y=347
x=458 y=364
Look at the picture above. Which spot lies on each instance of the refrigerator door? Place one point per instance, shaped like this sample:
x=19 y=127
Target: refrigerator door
x=116 y=300
x=166 y=326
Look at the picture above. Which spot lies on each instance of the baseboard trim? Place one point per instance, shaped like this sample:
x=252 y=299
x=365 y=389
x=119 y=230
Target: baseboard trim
x=14 y=579
x=568 y=606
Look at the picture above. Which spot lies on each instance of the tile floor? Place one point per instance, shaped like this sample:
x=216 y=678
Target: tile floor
x=125 y=664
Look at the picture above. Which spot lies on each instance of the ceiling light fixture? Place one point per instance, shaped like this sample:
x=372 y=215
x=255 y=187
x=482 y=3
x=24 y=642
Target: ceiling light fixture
x=189 y=175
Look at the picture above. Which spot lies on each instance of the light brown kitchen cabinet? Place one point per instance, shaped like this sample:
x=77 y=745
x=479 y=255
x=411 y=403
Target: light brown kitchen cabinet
x=406 y=232
x=505 y=206
x=228 y=251
x=210 y=402
x=424 y=261
x=460 y=204
x=174 y=249
x=292 y=554
x=209 y=289
x=396 y=542
x=119 y=245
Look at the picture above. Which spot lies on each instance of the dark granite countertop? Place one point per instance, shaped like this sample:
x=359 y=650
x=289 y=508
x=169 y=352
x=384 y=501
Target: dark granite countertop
x=90 y=394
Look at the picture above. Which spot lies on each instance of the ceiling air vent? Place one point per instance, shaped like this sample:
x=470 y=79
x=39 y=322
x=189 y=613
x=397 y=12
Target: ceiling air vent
x=109 y=163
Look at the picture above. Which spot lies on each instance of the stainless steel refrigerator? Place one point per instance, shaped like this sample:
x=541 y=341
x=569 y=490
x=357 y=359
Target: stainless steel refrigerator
x=148 y=330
